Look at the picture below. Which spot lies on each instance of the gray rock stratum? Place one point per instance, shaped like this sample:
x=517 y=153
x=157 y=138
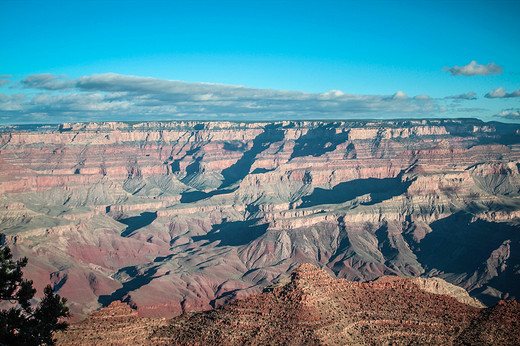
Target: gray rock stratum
x=179 y=216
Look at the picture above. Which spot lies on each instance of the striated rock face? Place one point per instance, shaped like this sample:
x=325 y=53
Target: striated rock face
x=439 y=286
x=181 y=216
x=313 y=308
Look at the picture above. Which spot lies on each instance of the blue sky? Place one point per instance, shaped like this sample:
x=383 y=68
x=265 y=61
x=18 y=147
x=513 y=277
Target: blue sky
x=138 y=60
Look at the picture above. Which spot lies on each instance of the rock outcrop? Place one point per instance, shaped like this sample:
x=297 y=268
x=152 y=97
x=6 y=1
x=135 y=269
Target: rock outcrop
x=310 y=307
x=315 y=309
x=180 y=216
x=116 y=324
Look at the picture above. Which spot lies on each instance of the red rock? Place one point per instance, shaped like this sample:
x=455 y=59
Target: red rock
x=313 y=308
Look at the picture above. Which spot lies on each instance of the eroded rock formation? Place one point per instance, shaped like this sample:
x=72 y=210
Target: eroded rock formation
x=181 y=216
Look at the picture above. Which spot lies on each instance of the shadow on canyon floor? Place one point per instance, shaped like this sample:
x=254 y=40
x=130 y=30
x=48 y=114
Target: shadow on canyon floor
x=507 y=281
x=379 y=190
x=195 y=196
x=139 y=280
x=234 y=233
x=238 y=171
x=136 y=222
x=459 y=245
x=319 y=141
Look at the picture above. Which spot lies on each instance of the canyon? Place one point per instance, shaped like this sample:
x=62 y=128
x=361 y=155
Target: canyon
x=173 y=217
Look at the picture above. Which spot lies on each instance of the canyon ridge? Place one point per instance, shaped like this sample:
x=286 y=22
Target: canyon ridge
x=171 y=217
x=311 y=308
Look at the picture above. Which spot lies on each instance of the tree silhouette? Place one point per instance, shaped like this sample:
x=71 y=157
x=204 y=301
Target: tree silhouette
x=23 y=324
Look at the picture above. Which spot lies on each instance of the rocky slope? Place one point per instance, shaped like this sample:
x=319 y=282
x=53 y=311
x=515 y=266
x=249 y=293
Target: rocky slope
x=313 y=308
x=180 y=216
x=117 y=324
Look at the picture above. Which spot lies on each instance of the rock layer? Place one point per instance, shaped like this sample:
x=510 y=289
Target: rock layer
x=179 y=216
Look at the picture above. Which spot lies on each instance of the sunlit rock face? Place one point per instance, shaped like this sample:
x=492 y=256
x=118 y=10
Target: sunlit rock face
x=180 y=216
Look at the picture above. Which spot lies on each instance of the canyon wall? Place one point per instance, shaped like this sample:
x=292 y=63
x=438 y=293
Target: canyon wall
x=180 y=216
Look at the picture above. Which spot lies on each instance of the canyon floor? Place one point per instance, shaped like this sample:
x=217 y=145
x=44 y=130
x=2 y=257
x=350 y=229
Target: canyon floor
x=173 y=217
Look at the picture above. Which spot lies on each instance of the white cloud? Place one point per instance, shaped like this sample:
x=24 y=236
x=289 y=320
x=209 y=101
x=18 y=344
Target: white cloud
x=399 y=95
x=475 y=69
x=332 y=94
x=3 y=78
x=501 y=93
x=510 y=113
x=9 y=103
x=468 y=96
x=112 y=96
x=46 y=81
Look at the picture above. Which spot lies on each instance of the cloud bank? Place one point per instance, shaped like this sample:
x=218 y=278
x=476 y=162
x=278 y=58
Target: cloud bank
x=110 y=96
x=3 y=80
x=475 y=69
x=510 y=113
x=501 y=93
x=468 y=96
